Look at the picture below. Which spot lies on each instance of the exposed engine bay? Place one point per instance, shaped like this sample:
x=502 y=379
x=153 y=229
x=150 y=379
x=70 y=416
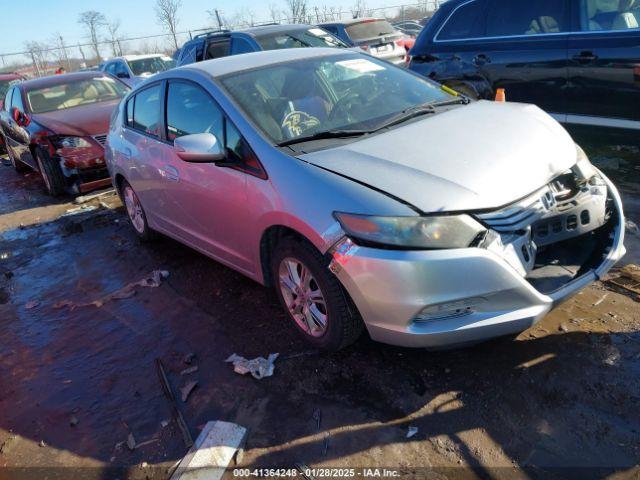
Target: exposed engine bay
x=558 y=233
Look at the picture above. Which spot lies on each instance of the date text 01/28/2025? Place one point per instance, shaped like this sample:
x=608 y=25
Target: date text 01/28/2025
x=316 y=472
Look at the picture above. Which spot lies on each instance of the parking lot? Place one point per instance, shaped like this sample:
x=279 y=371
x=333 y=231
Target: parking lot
x=79 y=381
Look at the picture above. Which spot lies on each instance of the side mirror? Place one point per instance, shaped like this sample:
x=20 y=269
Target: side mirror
x=122 y=75
x=199 y=147
x=20 y=118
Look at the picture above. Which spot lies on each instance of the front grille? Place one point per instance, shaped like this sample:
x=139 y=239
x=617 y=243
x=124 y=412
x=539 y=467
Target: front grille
x=520 y=215
x=101 y=139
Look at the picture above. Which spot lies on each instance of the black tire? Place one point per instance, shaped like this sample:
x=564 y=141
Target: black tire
x=55 y=183
x=139 y=224
x=343 y=322
x=17 y=164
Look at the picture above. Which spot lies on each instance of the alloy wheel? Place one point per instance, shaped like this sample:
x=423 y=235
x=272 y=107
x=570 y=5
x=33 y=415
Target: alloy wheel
x=303 y=297
x=134 y=209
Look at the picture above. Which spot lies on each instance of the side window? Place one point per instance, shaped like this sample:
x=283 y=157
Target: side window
x=110 y=68
x=525 y=17
x=7 y=100
x=609 y=15
x=16 y=101
x=468 y=21
x=240 y=45
x=146 y=111
x=217 y=49
x=240 y=152
x=192 y=110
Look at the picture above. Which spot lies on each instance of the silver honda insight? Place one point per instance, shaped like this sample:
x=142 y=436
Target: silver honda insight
x=370 y=198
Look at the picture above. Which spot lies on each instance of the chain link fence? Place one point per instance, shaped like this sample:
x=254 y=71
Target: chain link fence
x=42 y=58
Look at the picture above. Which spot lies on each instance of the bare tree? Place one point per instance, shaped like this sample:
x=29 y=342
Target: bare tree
x=297 y=10
x=38 y=52
x=114 y=28
x=218 y=19
x=93 y=21
x=275 y=13
x=360 y=9
x=167 y=14
x=60 y=53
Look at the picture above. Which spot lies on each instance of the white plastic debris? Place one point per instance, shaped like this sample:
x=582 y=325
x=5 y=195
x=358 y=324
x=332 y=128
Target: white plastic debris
x=258 y=367
x=412 y=431
x=632 y=227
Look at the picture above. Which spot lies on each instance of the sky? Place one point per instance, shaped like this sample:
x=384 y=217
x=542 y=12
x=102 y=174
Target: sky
x=41 y=20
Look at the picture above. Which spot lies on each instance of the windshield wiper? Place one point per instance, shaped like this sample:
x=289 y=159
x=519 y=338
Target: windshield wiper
x=408 y=114
x=326 y=134
x=453 y=101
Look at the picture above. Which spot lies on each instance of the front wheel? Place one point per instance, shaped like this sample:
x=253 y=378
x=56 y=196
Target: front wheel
x=54 y=180
x=313 y=298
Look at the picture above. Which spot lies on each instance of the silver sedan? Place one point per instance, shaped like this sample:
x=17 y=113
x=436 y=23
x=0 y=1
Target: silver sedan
x=368 y=197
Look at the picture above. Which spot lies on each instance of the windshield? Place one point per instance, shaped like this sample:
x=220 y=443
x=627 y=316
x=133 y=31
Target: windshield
x=369 y=29
x=149 y=66
x=344 y=92
x=75 y=93
x=313 y=37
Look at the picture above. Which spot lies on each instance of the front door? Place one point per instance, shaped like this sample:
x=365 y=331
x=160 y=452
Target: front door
x=604 y=64
x=207 y=203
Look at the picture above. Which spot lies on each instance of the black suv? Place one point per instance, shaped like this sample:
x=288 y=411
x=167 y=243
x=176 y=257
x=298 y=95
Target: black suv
x=221 y=43
x=577 y=59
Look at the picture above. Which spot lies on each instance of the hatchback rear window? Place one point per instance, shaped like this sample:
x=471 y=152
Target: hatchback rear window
x=369 y=29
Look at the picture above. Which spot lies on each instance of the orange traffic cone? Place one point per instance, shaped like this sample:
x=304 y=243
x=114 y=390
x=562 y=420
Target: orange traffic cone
x=501 y=95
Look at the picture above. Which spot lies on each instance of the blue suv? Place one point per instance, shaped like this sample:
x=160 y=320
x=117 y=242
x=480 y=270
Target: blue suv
x=222 y=43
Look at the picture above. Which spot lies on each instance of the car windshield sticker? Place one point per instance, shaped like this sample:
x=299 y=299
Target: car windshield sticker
x=361 y=65
x=296 y=123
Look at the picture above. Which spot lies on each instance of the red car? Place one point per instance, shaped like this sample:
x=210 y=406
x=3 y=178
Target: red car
x=58 y=126
x=6 y=81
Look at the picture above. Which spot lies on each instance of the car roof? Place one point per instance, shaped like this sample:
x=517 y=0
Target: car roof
x=353 y=21
x=247 y=61
x=9 y=76
x=53 y=80
x=257 y=30
x=136 y=57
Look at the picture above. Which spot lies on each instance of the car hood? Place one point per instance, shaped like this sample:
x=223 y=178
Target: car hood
x=80 y=121
x=481 y=156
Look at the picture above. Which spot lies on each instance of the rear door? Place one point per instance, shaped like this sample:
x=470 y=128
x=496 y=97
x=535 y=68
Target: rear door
x=604 y=64
x=518 y=45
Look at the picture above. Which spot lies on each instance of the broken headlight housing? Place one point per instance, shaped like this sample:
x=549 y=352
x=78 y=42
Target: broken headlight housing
x=429 y=233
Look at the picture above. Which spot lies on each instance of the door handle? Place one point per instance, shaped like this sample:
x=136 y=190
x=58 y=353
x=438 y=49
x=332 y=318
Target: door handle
x=585 y=57
x=170 y=173
x=481 y=59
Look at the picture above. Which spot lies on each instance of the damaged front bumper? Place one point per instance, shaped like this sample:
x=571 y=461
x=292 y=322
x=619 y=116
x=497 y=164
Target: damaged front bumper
x=442 y=298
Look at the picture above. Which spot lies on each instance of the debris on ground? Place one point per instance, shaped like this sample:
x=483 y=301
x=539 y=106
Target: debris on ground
x=411 y=431
x=73 y=421
x=632 y=227
x=258 y=367
x=5 y=446
x=87 y=198
x=317 y=416
x=612 y=356
x=602 y=299
x=131 y=442
x=187 y=389
x=190 y=370
x=629 y=278
x=189 y=358
x=79 y=210
x=177 y=414
x=153 y=280
x=41 y=444
x=164 y=423
x=31 y=304
x=563 y=328
x=212 y=452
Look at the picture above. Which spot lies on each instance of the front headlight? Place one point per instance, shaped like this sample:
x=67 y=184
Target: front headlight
x=437 y=232
x=72 y=142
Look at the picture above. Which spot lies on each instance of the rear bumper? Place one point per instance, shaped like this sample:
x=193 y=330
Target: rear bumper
x=451 y=297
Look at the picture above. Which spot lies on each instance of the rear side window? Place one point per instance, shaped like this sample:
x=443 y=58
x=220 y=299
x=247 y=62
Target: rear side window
x=146 y=111
x=467 y=21
x=191 y=110
x=525 y=17
x=188 y=54
x=217 y=49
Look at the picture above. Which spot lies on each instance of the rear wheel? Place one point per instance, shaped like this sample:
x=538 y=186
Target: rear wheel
x=313 y=298
x=135 y=212
x=54 y=181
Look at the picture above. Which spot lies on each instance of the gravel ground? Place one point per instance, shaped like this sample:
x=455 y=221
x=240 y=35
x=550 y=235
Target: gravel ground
x=559 y=401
